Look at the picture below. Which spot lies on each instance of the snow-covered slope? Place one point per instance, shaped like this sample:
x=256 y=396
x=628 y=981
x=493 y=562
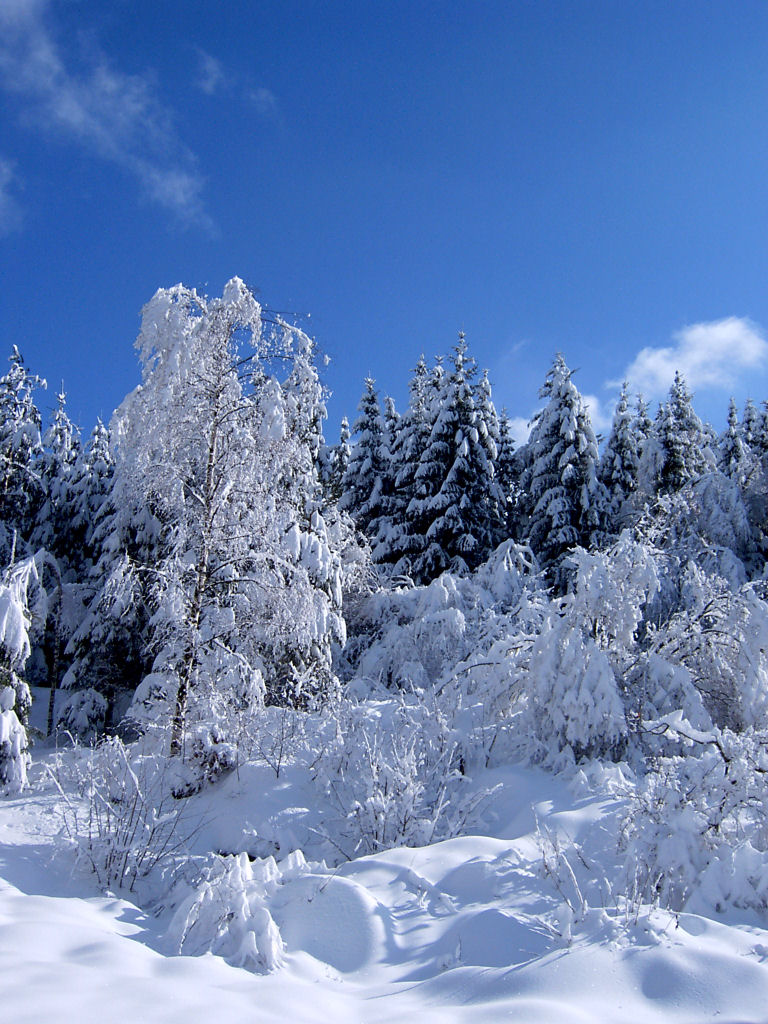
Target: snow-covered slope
x=516 y=923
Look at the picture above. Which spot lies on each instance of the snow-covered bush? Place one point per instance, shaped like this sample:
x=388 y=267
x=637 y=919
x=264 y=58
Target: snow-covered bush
x=417 y=636
x=393 y=773
x=13 y=745
x=228 y=911
x=574 y=697
x=119 y=812
x=697 y=832
x=82 y=715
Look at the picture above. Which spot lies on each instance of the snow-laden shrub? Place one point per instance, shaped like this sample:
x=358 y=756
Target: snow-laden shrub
x=585 y=644
x=417 y=636
x=13 y=745
x=119 y=811
x=220 y=727
x=574 y=698
x=720 y=636
x=393 y=774
x=228 y=911
x=82 y=715
x=17 y=591
x=697 y=832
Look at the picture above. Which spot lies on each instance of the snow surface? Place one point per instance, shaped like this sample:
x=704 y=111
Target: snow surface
x=469 y=929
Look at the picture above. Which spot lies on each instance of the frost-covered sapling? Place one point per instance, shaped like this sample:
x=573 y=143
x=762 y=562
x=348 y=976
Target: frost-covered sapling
x=13 y=745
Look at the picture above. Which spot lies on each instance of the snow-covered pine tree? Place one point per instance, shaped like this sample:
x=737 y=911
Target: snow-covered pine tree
x=20 y=448
x=565 y=501
x=489 y=429
x=364 y=480
x=750 y=424
x=90 y=486
x=506 y=471
x=679 y=452
x=109 y=651
x=412 y=437
x=733 y=455
x=620 y=460
x=460 y=513
x=390 y=506
x=760 y=439
x=338 y=463
x=55 y=514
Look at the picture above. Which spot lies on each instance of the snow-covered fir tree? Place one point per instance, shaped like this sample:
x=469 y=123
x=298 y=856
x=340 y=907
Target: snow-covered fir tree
x=461 y=513
x=564 y=500
x=389 y=504
x=20 y=450
x=337 y=463
x=363 y=482
x=620 y=459
x=750 y=424
x=733 y=453
x=678 y=451
x=404 y=541
x=55 y=515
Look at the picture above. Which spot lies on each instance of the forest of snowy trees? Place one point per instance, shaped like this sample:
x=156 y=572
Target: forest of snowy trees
x=209 y=556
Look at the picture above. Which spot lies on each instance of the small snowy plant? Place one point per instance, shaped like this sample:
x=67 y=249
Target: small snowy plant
x=13 y=745
x=83 y=715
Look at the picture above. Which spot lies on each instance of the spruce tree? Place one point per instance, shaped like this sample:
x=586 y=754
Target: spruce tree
x=20 y=451
x=733 y=455
x=405 y=540
x=680 y=439
x=461 y=508
x=54 y=527
x=620 y=460
x=566 y=502
x=364 y=480
x=750 y=425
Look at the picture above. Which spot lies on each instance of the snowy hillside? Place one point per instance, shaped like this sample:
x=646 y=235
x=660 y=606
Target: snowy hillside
x=513 y=921
x=414 y=725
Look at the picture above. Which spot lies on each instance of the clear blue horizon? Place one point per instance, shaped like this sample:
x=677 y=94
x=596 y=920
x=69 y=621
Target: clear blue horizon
x=547 y=176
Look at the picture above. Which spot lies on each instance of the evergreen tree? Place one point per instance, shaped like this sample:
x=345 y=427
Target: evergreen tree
x=410 y=441
x=620 y=460
x=20 y=450
x=462 y=506
x=506 y=471
x=733 y=454
x=566 y=502
x=750 y=425
x=381 y=527
x=364 y=480
x=681 y=446
x=55 y=515
x=338 y=463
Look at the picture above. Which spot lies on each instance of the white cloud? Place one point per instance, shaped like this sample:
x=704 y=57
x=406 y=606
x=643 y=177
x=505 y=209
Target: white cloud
x=116 y=116
x=10 y=211
x=264 y=101
x=600 y=416
x=212 y=77
x=520 y=428
x=709 y=355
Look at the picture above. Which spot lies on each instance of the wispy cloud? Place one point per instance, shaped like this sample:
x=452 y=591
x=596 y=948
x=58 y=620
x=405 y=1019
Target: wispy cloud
x=520 y=428
x=116 y=116
x=214 y=79
x=712 y=355
x=10 y=210
x=211 y=78
x=600 y=415
x=264 y=102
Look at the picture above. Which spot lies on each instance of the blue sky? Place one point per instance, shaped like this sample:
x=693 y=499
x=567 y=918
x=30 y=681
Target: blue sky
x=577 y=176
